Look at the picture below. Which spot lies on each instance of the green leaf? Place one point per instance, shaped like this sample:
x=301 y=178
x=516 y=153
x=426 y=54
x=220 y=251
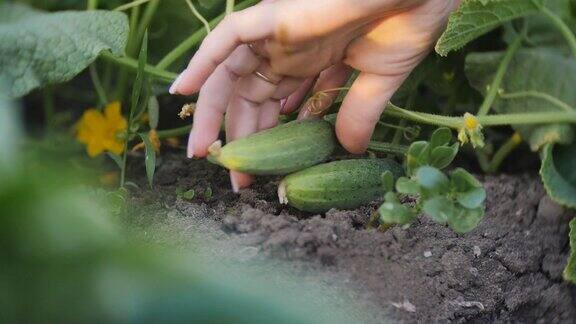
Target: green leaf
x=441 y=137
x=570 y=270
x=463 y=181
x=187 y=195
x=208 y=194
x=537 y=80
x=140 y=81
x=407 y=186
x=432 y=179
x=472 y=199
x=542 y=32
x=412 y=157
x=150 y=160
x=465 y=220
x=558 y=173
x=387 y=181
x=153 y=112
x=443 y=156
x=393 y=212
x=557 y=133
x=39 y=48
x=475 y=18
x=440 y=209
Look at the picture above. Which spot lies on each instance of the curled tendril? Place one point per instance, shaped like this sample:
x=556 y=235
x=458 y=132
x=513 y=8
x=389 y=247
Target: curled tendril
x=314 y=104
x=411 y=133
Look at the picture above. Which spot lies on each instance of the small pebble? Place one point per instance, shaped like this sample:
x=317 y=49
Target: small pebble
x=427 y=254
x=406 y=305
x=477 y=251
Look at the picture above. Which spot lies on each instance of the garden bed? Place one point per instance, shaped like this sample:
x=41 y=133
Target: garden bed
x=508 y=269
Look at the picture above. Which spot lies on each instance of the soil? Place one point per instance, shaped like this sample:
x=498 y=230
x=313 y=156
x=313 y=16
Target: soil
x=508 y=269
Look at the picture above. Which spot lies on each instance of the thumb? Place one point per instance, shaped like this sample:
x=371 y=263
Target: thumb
x=362 y=108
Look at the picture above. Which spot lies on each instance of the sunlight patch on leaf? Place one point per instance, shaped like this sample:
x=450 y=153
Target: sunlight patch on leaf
x=475 y=18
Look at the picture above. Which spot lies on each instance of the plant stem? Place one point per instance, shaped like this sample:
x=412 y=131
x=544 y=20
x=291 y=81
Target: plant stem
x=387 y=148
x=196 y=38
x=98 y=85
x=499 y=77
x=147 y=16
x=229 y=6
x=92 y=4
x=409 y=105
x=123 y=75
x=132 y=65
x=130 y=5
x=538 y=95
x=562 y=27
x=511 y=144
x=424 y=118
x=487 y=121
x=199 y=16
x=123 y=169
x=528 y=118
x=175 y=132
x=398 y=133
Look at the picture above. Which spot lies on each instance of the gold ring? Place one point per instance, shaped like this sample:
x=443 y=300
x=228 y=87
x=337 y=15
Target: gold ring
x=265 y=77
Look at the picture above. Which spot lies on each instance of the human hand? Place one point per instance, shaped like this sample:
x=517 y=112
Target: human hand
x=261 y=62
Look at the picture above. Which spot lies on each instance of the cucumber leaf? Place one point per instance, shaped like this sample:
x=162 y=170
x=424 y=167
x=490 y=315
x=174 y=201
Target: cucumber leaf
x=465 y=220
x=544 y=34
x=537 y=80
x=570 y=270
x=39 y=48
x=558 y=173
x=440 y=209
x=475 y=18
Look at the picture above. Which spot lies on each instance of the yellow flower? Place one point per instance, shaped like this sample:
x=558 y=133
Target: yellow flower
x=471 y=131
x=102 y=132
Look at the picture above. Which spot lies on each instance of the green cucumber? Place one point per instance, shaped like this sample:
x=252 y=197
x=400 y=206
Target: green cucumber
x=344 y=184
x=281 y=150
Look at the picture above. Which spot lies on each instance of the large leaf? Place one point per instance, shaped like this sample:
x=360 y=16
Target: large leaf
x=570 y=270
x=537 y=81
x=558 y=173
x=38 y=48
x=542 y=32
x=474 y=18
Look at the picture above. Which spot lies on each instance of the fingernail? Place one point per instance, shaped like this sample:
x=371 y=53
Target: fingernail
x=190 y=148
x=174 y=87
x=283 y=104
x=234 y=182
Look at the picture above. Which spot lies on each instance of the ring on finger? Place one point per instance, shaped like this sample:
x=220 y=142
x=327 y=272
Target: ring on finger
x=265 y=77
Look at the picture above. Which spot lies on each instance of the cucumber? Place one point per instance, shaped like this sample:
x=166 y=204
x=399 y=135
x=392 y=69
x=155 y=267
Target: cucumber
x=345 y=184
x=278 y=151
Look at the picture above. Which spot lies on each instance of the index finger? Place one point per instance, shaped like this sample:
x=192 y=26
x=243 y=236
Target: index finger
x=240 y=27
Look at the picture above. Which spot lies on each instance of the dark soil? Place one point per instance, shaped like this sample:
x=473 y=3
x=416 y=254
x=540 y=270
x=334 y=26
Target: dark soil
x=508 y=269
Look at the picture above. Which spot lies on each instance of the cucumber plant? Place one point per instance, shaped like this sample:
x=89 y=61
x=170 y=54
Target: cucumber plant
x=456 y=199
